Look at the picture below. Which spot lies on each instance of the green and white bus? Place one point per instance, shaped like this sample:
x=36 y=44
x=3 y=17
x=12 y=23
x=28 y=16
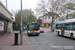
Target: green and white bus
x=33 y=28
x=66 y=28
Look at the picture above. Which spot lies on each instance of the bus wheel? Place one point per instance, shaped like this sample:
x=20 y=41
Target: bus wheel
x=37 y=34
x=28 y=34
x=72 y=36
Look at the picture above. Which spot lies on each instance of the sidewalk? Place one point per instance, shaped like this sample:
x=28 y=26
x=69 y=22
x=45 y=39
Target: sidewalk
x=7 y=41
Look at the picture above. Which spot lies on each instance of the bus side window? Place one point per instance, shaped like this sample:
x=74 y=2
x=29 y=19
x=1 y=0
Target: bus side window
x=73 y=25
x=65 y=28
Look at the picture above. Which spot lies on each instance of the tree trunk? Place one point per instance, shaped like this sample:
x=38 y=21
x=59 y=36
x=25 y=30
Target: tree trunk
x=52 y=24
x=52 y=17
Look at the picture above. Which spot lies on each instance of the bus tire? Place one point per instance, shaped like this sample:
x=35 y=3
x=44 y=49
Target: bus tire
x=28 y=34
x=72 y=36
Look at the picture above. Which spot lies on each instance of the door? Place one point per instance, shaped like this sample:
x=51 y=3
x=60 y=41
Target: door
x=5 y=28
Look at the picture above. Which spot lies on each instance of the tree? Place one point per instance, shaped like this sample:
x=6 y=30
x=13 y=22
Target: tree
x=27 y=15
x=48 y=7
x=70 y=7
x=54 y=7
x=39 y=21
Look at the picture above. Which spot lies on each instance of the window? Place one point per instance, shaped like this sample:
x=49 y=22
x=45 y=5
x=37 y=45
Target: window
x=58 y=26
x=73 y=26
x=68 y=26
x=33 y=27
x=49 y=17
x=45 y=17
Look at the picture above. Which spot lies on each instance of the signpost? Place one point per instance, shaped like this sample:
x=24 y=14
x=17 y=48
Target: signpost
x=1 y=28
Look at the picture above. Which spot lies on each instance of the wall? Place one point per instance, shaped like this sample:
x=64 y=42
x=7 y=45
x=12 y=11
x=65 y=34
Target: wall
x=2 y=9
x=10 y=26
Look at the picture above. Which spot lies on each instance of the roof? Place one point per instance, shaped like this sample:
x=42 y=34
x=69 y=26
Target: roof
x=3 y=15
x=66 y=21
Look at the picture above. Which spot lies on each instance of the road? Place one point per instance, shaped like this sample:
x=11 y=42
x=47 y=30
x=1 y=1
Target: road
x=50 y=41
x=45 y=29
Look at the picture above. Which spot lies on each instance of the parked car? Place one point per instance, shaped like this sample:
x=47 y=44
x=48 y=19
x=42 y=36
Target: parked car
x=41 y=31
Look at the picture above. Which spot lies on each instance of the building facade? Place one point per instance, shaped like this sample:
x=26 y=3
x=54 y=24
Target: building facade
x=46 y=20
x=6 y=20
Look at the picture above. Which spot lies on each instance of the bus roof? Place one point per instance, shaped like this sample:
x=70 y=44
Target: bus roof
x=66 y=21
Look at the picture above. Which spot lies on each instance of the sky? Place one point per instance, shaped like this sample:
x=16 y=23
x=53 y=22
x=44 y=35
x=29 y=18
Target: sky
x=15 y=5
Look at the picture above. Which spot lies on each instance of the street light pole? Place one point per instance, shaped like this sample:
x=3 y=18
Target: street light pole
x=6 y=3
x=21 y=24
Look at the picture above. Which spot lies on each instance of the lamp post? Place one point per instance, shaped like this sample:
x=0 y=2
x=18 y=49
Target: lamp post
x=6 y=3
x=21 y=24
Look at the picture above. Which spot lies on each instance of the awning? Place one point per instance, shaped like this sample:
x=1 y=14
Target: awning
x=46 y=23
x=4 y=16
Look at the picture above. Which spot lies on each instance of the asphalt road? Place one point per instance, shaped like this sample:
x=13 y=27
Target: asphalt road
x=50 y=41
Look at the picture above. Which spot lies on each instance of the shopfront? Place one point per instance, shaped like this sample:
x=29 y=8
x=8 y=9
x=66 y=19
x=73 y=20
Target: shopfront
x=6 y=20
x=46 y=24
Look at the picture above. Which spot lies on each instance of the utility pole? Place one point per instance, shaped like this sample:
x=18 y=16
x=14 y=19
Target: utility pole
x=67 y=15
x=21 y=24
x=6 y=3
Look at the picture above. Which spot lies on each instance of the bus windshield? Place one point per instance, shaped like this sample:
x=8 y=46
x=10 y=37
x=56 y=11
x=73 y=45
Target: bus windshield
x=33 y=27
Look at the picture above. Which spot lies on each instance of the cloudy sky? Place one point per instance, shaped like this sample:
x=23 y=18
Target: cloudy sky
x=15 y=4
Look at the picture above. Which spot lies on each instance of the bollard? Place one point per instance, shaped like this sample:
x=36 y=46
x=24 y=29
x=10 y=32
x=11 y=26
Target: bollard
x=16 y=38
x=20 y=31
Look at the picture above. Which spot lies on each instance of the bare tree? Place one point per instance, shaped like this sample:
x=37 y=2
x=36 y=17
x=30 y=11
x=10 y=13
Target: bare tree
x=55 y=7
x=50 y=7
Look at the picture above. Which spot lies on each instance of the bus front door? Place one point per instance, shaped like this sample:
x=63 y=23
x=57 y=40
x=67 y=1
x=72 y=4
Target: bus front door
x=62 y=31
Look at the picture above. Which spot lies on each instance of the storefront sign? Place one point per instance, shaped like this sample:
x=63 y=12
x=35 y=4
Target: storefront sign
x=1 y=28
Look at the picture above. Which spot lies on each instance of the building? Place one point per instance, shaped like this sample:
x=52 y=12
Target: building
x=6 y=20
x=46 y=20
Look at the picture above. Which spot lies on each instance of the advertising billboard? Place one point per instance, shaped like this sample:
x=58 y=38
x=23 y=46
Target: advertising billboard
x=1 y=28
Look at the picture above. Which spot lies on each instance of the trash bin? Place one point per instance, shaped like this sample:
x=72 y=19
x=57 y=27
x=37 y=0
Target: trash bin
x=15 y=38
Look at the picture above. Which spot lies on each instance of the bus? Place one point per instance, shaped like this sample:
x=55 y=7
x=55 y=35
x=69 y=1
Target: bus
x=66 y=28
x=33 y=28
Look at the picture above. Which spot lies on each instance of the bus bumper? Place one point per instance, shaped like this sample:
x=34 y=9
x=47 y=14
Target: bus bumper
x=33 y=33
x=74 y=35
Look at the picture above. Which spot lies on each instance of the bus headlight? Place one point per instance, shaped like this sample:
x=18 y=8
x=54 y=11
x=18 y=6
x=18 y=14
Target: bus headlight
x=28 y=31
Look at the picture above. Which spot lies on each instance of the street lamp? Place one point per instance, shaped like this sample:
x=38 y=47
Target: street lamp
x=21 y=24
x=6 y=3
